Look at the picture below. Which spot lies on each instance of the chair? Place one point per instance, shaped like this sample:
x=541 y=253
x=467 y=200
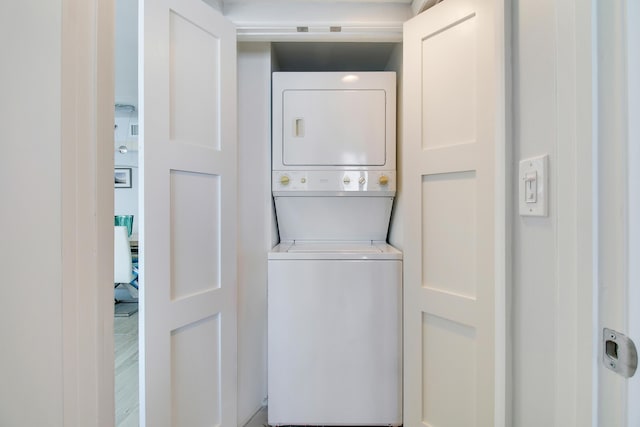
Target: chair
x=123 y=269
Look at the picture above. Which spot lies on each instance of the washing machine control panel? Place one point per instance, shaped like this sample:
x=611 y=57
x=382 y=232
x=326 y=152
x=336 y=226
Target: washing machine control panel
x=335 y=181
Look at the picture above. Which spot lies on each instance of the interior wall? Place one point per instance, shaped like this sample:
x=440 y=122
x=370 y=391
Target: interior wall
x=31 y=374
x=395 y=226
x=535 y=281
x=255 y=222
x=126 y=58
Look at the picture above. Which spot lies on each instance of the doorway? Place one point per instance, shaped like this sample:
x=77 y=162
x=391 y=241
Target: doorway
x=126 y=202
x=181 y=180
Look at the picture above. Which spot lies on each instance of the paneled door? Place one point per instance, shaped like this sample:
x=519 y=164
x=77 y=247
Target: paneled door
x=188 y=233
x=454 y=166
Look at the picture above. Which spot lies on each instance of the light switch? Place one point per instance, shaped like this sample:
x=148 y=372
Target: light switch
x=531 y=187
x=532 y=184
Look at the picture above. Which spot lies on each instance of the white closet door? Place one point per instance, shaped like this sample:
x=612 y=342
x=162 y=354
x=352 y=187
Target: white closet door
x=188 y=233
x=453 y=168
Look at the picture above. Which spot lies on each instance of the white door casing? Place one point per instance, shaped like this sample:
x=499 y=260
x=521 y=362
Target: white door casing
x=618 y=107
x=188 y=235
x=633 y=179
x=455 y=228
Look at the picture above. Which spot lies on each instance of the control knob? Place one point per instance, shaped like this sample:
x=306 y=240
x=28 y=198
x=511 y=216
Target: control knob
x=384 y=180
x=284 y=180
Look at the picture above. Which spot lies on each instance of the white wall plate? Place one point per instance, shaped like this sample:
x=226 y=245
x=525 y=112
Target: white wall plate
x=533 y=186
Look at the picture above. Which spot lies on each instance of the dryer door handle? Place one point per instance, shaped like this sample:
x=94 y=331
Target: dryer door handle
x=298 y=127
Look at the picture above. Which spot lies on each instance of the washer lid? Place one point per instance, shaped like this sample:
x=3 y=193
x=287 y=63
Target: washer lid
x=311 y=250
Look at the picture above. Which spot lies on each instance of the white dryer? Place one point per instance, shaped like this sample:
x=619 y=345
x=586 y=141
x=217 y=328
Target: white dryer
x=334 y=285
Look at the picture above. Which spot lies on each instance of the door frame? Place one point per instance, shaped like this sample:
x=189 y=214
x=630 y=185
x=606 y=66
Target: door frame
x=633 y=104
x=577 y=336
x=87 y=91
x=618 y=97
x=87 y=112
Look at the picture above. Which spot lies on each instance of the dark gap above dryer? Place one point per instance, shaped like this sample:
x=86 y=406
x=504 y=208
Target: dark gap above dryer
x=325 y=56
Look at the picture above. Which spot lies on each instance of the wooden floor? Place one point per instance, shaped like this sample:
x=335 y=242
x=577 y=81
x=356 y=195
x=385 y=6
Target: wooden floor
x=126 y=366
x=126 y=381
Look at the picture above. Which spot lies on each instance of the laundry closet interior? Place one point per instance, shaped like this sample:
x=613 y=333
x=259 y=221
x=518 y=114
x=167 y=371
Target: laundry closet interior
x=258 y=228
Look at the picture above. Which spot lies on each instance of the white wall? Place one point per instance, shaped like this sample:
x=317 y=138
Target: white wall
x=551 y=308
x=255 y=222
x=31 y=386
x=534 y=255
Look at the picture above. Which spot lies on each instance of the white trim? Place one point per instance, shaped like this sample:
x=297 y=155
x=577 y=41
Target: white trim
x=321 y=33
x=575 y=172
x=565 y=207
x=633 y=196
x=87 y=211
x=503 y=235
x=279 y=20
x=587 y=335
x=504 y=332
x=616 y=107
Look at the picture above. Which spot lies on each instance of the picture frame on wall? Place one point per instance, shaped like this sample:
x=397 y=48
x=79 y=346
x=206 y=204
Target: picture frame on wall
x=122 y=177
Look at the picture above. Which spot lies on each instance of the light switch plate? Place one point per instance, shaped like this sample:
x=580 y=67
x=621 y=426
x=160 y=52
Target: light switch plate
x=533 y=186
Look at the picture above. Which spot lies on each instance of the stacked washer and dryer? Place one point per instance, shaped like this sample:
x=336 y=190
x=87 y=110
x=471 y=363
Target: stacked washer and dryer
x=334 y=284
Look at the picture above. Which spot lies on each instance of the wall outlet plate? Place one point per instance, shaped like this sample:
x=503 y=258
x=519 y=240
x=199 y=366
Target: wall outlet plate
x=533 y=185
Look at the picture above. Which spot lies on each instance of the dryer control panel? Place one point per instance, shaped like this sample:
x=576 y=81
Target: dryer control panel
x=381 y=182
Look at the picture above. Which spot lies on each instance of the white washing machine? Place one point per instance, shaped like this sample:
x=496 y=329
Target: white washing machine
x=334 y=285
